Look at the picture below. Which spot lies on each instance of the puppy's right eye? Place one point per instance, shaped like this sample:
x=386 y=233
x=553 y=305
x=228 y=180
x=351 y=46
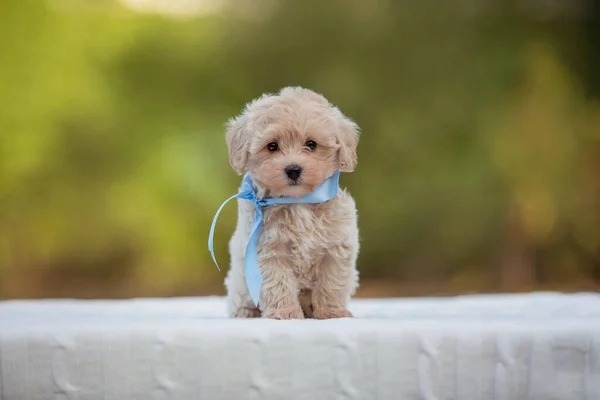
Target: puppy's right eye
x=273 y=146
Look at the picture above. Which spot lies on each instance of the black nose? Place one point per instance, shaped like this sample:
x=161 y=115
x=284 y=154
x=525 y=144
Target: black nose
x=293 y=171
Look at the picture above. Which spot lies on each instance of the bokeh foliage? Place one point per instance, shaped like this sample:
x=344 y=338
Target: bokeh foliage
x=479 y=163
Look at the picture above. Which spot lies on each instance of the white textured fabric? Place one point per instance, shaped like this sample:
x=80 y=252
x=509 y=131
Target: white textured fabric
x=502 y=347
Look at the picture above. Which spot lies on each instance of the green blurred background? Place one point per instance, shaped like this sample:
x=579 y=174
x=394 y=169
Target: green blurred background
x=479 y=163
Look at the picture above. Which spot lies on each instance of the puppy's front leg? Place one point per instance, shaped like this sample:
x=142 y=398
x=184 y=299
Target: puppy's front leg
x=279 y=290
x=335 y=281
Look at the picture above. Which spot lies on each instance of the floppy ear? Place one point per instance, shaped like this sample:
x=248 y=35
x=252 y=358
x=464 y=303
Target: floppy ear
x=347 y=136
x=237 y=143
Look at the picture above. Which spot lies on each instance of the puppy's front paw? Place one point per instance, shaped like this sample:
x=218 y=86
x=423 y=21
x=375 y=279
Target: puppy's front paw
x=332 y=313
x=246 y=312
x=284 y=314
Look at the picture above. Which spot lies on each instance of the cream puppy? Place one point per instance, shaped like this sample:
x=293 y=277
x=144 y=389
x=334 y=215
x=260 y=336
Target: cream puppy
x=289 y=143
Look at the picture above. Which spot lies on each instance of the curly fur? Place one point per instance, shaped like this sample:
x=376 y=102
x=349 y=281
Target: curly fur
x=307 y=252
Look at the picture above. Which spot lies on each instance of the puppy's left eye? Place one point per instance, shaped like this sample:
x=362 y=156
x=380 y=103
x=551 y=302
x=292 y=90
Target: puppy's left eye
x=311 y=144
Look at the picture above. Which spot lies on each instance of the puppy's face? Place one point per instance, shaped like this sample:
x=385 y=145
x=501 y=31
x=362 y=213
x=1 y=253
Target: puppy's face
x=291 y=142
x=289 y=161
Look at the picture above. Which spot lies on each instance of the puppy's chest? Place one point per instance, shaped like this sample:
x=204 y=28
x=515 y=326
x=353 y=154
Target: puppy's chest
x=299 y=230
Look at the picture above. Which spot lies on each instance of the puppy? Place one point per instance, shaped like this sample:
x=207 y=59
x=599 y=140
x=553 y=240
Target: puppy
x=289 y=143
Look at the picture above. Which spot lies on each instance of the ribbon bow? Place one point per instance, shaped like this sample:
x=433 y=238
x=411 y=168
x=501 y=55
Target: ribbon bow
x=327 y=190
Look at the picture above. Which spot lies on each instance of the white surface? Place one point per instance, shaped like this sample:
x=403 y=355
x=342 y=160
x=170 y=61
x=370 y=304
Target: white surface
x=538 y=346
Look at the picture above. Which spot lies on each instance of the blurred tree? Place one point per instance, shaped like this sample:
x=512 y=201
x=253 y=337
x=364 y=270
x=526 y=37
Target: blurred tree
x=478 y=164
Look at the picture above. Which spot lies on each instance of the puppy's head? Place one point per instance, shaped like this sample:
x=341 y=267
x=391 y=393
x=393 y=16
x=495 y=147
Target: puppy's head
x=291 y=141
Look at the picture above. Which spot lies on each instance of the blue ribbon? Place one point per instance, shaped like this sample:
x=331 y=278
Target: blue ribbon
x=327 y=190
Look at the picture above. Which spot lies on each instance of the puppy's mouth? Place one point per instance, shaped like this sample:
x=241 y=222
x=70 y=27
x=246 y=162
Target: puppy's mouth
x=295 y=188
